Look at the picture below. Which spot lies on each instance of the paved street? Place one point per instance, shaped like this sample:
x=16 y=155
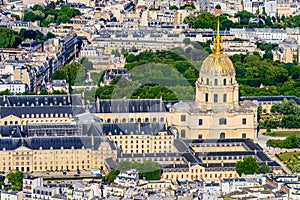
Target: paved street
x=271 y=152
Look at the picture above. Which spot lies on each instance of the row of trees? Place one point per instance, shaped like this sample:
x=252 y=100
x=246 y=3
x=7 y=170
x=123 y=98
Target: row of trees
x=49 y=14
x=287 y=115
x=292 y=141
x=74 y=73
x=252 y=71
x=12 y=39
x=208 y=20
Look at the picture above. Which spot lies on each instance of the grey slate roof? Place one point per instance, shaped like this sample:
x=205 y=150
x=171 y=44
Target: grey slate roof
x=130 y=106
x=54 y=142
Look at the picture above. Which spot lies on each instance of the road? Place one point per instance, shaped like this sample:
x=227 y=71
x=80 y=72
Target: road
x=271 y=152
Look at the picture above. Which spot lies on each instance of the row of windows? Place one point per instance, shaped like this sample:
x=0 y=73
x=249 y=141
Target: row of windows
x=196 y=177
x=216 y=81
x=222 y=135
x=124 y=120
x=216 y=98
x=222 y=121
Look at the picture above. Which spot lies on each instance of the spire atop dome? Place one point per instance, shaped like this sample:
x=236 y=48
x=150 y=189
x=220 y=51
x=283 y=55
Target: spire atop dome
x=218 y=47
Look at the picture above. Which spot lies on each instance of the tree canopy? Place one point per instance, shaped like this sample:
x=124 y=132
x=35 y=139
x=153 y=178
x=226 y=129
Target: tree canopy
x=292 y=141
x=7 y=38
x=16 y=179
x=148 y=169
x=49 y=14
x=111 y=176
x=248 y=165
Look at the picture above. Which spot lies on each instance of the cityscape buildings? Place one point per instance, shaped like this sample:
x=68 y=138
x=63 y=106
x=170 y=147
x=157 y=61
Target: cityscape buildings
x=59 y=143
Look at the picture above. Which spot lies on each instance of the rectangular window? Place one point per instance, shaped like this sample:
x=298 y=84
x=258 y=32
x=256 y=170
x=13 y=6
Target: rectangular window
x=224 y=98
x=244 y=121
x=183 y=133
x=200 y=122
x=183 y=118
x=206 y=97
x=222 y=121
x=216 y=98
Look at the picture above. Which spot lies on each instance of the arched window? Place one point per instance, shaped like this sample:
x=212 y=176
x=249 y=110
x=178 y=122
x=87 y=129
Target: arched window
x=131 y=120
x=123 y=120
x=139 y=120
x=146 y=119
x=116 y=120
x=216 y=81
x=108 y=120
x=224 y=81
x=244 y=135
x=222 y=135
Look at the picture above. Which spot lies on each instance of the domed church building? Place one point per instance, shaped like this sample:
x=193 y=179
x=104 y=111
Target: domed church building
x=217 y=111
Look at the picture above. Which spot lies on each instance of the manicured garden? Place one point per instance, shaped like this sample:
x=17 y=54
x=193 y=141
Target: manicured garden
x=291 y=160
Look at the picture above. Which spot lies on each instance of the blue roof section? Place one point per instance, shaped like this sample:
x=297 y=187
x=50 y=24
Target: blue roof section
x=270 y=98
x=131 y=106
x=36 y=143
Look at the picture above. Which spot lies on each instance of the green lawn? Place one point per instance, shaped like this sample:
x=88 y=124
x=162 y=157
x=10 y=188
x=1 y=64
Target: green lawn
x=290 y=159
x=281 y=133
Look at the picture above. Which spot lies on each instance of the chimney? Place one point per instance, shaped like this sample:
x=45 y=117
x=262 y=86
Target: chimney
x=255 y=151
x=82 y=100
x=139 y=127
x=93 y=143
x=69 y=97
x=97 y=105
x=222 y=163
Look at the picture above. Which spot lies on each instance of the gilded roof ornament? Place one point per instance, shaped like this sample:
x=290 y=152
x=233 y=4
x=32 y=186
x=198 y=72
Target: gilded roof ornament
x=218 y=47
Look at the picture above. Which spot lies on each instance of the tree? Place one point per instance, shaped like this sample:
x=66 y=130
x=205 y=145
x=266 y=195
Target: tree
x=296 y=168
x=111 y=176
x=264 y=169
x=88 y=65
x=29 y=16
x=187 y=41
x=65 y=10
x=29 y=34
x=43 y=92
x=16 y=179
x=244 y=17
x=50 y=35
x=59 y=75
x=174 y=7
x=7 y=38
x=63 y=19
x=190 y=19
x=248 y=165
x=148 y=169
x=218 y=6
x=17 y=17
x=187 y=6
x=5 y=92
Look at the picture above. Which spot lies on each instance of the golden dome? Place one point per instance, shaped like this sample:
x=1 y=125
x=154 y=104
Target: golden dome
x=217 y=63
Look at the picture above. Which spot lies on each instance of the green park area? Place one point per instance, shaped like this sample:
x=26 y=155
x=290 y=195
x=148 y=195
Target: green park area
x=281 y=133
x=291 y=160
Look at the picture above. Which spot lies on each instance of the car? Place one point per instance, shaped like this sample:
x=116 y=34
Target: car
x=76 y=175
